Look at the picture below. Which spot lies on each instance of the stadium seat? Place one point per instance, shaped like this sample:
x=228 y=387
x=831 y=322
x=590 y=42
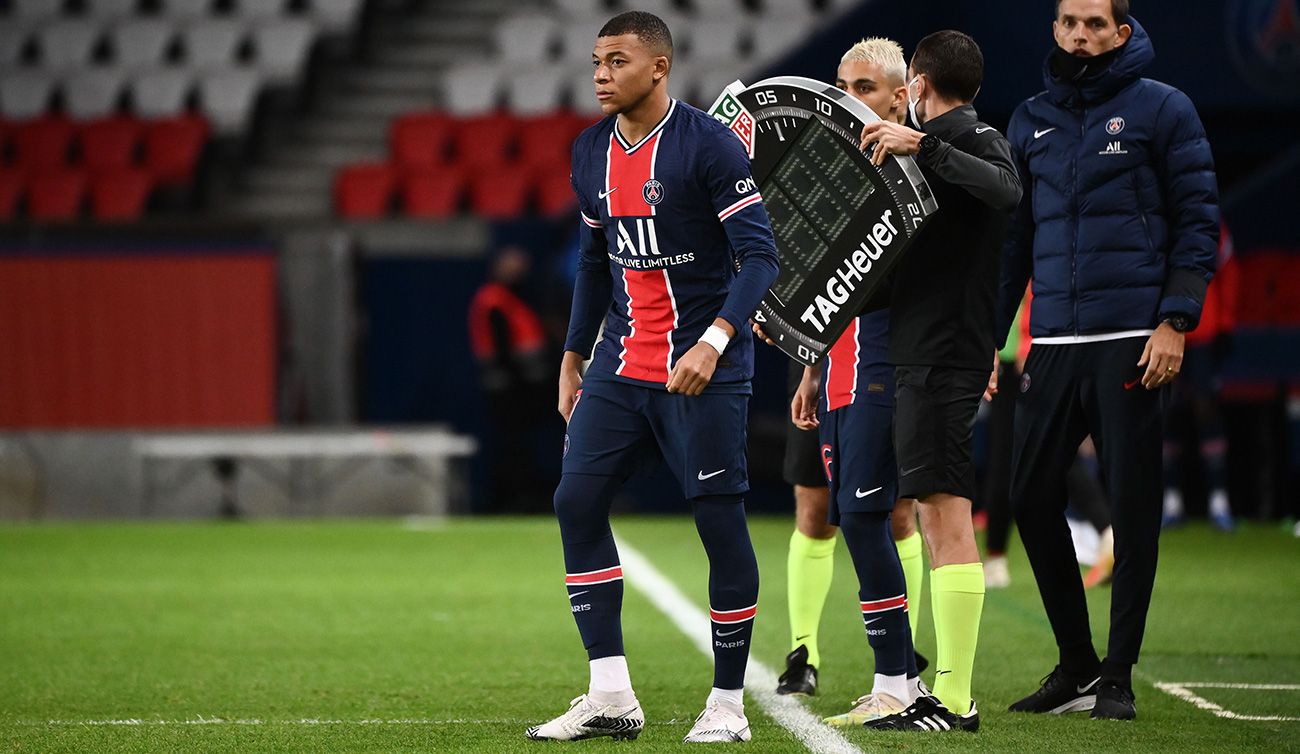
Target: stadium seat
x=282 y=47
x=719 y=9
x=432 y=192
x=56 y=195
x=335 y=16
x=35 y=10
x=712 y=83
x=120 y=195
x=485 y=141
x=365 y=192
x=111 y=10
x=93 y=92
x=472 y=88
x=775 y=36
x=184 y=10
x=548 y=139
x=110 y=143
x=161 y=93
x=499 y=195
x=14 y=35
x=42 y=143
x=25 y=93
x=713 y=39
x=579 y=8
x=172 y=148
x=141 y=43
x=11 y=191
x=578 y=37
x=212 y=43
x=536 y=90
x=551 y=189
x=261 y=9
x=420 y=139
x=227 y=99
x=67 y=44
x=582 y=91
x=525 y=37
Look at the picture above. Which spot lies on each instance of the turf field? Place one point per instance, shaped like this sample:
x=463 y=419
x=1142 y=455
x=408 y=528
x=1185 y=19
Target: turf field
x=384 y=636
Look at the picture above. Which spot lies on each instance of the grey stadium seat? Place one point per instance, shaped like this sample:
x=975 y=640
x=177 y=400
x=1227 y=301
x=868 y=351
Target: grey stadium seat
x=25 y=93
x=537 y=90
x=713 y=39
x=335 y=16
x=212 y=43
x=228 y=97
x=68 y=44
x=35 y=10
x=472 y=88
x=162 y=92
x=93 y=92
x=141 y=43
x=773 y=37
x=111 y=10
x=186 y=10
x=252 y=9
x=577 y=38
x=525 y=37
x=13 y=37
x=282 y=46
x=582 y=92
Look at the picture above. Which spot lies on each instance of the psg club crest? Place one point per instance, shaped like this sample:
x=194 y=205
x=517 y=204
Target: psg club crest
x=652 y=192
x=1025 y=382
x=1114 y=125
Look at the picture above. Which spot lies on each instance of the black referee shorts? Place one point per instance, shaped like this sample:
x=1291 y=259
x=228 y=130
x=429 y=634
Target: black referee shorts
x=934 y=420
x=803 y=455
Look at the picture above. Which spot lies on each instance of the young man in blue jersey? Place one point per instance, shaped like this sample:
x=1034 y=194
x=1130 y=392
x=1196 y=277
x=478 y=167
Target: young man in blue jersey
x=676 y=252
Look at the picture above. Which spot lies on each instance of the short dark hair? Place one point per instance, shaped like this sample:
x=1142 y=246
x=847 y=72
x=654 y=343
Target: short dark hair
x=1118 y=10
x=953 y=63
x=649 y=28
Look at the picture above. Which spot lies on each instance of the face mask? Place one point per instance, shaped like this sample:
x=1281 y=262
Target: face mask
x=911 y=103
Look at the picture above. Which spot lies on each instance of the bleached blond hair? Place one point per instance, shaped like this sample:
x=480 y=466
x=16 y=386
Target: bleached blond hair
x=885 y=53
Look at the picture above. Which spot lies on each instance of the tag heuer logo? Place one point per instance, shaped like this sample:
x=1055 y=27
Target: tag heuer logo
x=652 y=192
x=733 y=115
x=1114 y=125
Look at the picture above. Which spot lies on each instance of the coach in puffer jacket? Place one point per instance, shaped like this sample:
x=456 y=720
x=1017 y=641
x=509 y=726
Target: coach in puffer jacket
x=1119 y=224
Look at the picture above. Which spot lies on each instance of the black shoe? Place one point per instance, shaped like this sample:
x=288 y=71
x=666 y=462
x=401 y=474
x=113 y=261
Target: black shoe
x=921 y=662
x=1114 y=702
x=799 y=678
x=1060 y=693
x=928 y=715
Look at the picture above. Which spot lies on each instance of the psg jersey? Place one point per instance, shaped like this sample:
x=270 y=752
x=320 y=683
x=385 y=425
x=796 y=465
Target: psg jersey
x=858 y=361
x=673 y=219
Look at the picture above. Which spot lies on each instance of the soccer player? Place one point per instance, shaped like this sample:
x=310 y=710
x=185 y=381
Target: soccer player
x=941 y=341
x=1120 y=255
x=857 y=454
x=676 y=254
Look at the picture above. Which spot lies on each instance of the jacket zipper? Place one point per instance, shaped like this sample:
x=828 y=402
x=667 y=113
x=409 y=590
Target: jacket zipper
x=1074 y=250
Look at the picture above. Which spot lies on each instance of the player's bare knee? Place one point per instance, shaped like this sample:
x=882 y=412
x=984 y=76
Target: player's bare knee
x=811 y=506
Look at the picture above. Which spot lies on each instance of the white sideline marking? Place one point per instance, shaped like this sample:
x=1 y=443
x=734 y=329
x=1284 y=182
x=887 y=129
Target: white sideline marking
x=760 y=680
x=131 y=722
x=1183 y=691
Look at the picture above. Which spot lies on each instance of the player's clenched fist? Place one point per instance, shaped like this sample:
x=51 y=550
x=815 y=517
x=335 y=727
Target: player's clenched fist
x=570 y=381
x=692 y=372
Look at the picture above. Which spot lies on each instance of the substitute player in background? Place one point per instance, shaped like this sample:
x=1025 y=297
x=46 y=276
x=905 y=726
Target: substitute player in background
x=676 y=253
x=856 y=455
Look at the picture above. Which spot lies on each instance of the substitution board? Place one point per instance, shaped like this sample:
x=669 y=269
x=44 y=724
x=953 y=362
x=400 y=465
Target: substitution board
x=841 y=223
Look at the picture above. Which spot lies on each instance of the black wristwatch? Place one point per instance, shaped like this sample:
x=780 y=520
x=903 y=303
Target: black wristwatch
x=1180 y=322
x=929 y=143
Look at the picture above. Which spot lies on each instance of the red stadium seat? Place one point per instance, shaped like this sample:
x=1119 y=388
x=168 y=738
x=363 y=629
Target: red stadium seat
x=42 y=142
x=430 y=192
x=365 y=192
x=56 y=195
x=501 y=194
x=552 y=189
x=485 y=141
x=172 y=147
x=547 y=139
x=11 y=190
x=420 y=139
x=121 y=194
x=110 y=143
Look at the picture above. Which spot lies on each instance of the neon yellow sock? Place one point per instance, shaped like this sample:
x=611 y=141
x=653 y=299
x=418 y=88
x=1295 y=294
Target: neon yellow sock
x=808 y=579
x=957 y=598
x=909 y=554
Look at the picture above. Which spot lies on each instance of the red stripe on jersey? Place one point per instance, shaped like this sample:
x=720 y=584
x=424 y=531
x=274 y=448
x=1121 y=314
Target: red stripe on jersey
x=754 y=198
x=733 y=616
x=879 y=606
x=652 y=317
x=594 y=577
x=626 y=176
x=842 y=368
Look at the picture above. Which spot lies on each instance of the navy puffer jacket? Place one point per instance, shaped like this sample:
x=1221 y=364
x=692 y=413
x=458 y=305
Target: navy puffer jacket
x=1120 y=220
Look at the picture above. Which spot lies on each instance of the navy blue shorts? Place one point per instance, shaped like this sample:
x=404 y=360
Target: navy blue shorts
x=617 y=429
x=858 y=453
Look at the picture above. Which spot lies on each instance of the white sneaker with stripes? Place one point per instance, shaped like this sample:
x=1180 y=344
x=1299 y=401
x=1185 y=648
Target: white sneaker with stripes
x=587 y=719
x=720 y=722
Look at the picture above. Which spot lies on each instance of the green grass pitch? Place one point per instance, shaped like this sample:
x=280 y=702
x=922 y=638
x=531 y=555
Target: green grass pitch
x=378 y=636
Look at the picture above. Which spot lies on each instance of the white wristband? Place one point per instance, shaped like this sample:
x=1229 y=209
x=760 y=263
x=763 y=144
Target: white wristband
x=716 y=337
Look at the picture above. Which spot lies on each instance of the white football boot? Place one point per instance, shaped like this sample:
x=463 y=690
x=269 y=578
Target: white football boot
x=720 y=722
x=588 y=719
x=868 y=708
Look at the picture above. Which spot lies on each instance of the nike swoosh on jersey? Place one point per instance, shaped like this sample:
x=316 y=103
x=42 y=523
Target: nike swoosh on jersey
x=702 y=476
x=982 y=130
x=858 y=493
x=603 y=194
x=1040 y=134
